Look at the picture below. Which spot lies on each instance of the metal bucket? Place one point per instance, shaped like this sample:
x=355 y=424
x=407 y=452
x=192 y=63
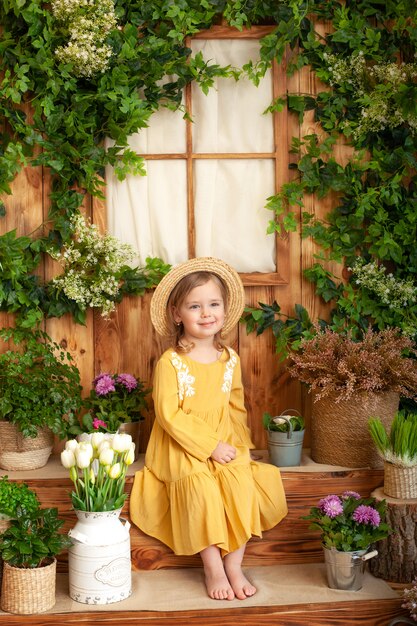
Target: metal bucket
x=285 y=449
x=345 y=570
x=99 y=561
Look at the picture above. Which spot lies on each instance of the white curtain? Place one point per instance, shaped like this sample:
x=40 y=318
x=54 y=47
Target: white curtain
x=229 y=194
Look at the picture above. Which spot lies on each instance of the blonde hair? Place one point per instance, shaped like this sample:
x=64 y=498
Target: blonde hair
x=177 y=297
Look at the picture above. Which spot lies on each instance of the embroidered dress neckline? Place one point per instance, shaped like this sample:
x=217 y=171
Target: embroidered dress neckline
x=221 y=358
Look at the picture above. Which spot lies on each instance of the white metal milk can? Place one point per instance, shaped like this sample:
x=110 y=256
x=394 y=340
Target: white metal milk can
x=99 y=560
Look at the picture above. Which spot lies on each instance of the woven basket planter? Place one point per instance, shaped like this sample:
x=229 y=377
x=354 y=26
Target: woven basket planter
x=5 y=523
x=24 y=453
x=400 y=482
x=339 y=430
x=28 y=591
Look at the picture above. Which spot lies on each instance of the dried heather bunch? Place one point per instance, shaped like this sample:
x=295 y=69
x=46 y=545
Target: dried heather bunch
x=334 y=362
x=410 y=600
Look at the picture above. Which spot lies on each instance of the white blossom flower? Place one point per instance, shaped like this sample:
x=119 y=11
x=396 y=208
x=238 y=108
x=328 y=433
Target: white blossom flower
x=67 y=458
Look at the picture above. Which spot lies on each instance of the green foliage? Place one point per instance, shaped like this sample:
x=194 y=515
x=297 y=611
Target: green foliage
x=14 y=494
x=20 y=289
x=288 y=331
x=399 y=445
x=33 y=538
x=280 y=425
x=39 y=385
x=368 y=101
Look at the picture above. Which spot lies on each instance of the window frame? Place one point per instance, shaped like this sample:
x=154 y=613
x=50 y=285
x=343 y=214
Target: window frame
x=279 y=156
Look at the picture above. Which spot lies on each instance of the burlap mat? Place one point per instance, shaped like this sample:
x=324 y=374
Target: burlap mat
x=184 y=590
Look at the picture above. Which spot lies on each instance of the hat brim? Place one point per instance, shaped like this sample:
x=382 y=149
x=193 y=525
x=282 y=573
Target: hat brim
x=229 y=276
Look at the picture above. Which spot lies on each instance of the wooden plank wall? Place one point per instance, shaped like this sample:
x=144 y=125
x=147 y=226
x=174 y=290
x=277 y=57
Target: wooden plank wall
x=127 y=343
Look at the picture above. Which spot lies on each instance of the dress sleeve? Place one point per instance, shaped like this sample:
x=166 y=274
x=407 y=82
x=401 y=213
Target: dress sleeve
x=188 y=430
x=237 y=409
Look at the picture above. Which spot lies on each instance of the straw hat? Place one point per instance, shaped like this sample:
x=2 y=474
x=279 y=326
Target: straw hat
x=231 y=279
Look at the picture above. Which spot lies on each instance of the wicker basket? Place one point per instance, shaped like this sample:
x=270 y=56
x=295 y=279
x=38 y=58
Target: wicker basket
x=24 y=453
x=400 y=482
x=28 y=591
x=5 y=523
x=340 y=433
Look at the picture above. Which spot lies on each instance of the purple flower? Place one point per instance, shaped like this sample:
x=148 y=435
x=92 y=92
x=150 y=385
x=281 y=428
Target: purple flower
x=366 y=515
x=350 y=494
x=128 y=381
x=331 y=506
x=99 y=377
x=104 y=385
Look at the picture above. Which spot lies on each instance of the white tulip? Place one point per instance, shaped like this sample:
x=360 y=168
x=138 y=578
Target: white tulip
x=83 y=458
x=115 y=471
x=121 y=442
x=67 y=458
x=86 y=446
x=71 y=444
x=130 y=455
x=106 y=456
x=105 y=445
x=96 y=439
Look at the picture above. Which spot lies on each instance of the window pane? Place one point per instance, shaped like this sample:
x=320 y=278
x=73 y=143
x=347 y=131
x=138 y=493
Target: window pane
x=230 y=117
x=230 y=217
x=165 y=134
x=150 y=212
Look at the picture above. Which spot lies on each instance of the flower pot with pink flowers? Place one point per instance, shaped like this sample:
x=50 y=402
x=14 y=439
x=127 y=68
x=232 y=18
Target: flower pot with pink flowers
x=116 y=403
x=349 y=526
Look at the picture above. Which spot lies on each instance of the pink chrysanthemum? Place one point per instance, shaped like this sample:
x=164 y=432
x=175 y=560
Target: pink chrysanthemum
x=104 y=385
x=366 y=515
x=331 y=506
x=128 y=381
x=98 y=423
x=99 y=377
x=350 y=494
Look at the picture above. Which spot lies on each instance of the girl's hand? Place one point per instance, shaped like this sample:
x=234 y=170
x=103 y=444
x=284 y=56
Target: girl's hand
x=223 y=453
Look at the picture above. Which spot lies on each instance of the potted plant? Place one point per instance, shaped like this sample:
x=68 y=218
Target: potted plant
x=29 y=548
x=100 y=539
x=116 y=403
x=285 y=435
x=12 y=495
x=349 y=524
x=352 y=379
x=40 y=395
x=398 y=448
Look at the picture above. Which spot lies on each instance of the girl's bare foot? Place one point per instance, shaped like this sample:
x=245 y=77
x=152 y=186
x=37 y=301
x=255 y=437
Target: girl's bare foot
x=241 y=586
x=218 y=586
x=233 y=567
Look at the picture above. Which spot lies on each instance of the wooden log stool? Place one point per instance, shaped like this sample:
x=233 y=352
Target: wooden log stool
x=397 y=555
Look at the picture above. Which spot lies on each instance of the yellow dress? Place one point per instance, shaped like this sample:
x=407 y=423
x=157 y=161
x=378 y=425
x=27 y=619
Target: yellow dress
x=184 y=498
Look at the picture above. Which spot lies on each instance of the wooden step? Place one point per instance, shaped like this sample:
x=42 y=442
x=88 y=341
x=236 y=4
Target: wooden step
x=291 y=541
x=362 y=613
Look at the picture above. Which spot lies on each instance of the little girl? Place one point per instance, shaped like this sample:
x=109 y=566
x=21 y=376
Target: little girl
x=199 y=491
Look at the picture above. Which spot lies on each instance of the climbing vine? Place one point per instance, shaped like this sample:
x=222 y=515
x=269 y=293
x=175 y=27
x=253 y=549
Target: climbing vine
x=367 y=60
